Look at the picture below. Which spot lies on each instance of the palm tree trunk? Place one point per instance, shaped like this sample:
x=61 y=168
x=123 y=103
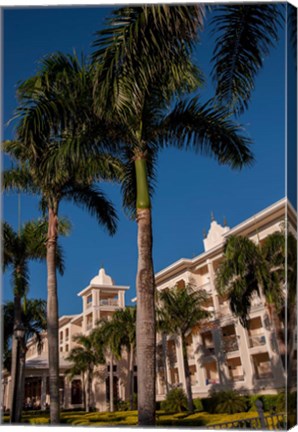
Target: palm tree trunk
x=187 y=375
x=88 y=393
x=21 y=382
x=164 y=357
x=111 y=384
x=15 y=377
x=90 y=390
x=145 y=330
x=279 y=332
x=130 y=374
x=84 y=391
x=52 y=318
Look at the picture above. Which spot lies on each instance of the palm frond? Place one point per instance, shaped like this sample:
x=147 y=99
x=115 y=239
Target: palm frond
x=207 y=130
x=244 y=36
x=138 y=44
x=93 y=199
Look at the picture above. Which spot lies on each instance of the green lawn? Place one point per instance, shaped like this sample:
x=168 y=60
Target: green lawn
x=129 y=418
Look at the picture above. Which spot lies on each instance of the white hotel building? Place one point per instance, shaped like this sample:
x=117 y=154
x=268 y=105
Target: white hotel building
x=222 y=354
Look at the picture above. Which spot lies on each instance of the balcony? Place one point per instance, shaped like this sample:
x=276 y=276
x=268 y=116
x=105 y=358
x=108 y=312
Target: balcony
x=109 y=302
x=230 y=343
x=256 y=340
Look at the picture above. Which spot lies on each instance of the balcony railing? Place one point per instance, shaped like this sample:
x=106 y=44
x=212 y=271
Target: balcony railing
x=88 y=305
x=230 y=343
x=237 y=377
x=108 y=302
x=264 y=375
x=257 y=340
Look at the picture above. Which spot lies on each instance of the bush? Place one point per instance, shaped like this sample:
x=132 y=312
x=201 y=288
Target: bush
x=198 y=405
x=227 y=401
x=176 y=401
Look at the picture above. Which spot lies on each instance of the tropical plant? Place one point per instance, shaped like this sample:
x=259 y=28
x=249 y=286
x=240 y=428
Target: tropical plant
x=249 y=267
x=124 y=322
x=176 y=401
x=181 y=308
x=19 y=248
x=108 y=333
x=33 y=320
x=84 y=359
x=45 y=122
x=141 y=105
x=228 y=401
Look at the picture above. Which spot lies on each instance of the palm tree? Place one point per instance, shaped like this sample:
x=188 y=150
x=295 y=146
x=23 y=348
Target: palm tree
x=189 y=125
x=44 y=124
x=249 y=268
x=142 y=60
x=107 y=333
x=181 y=308
x=33 y=319
x=84 y=358
x=124 y=325
x=19 y=248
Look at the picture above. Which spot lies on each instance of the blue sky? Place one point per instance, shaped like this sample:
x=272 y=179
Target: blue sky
x=189 y=186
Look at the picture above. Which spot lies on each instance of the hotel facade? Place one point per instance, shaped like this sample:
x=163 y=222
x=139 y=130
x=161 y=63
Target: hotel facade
x=222 y=353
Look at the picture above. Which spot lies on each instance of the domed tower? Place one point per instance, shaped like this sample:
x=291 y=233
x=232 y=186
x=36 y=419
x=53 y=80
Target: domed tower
x=101 y=298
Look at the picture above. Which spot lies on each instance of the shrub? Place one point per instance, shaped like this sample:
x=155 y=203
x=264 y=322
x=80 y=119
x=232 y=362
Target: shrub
x=228 y=401
x=176 y=401
x=198 y=405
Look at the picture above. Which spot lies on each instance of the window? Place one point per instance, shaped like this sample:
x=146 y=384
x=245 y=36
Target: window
x=67 y=334
x=61 y=336
x=66 y=348
x=114 y=368
x=76 y=392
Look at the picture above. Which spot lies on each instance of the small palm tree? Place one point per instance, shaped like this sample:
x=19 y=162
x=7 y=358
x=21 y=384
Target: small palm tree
x=248 y=267
x=181 y=308
x=33 y=320
x=124 y=323
x=20 y=248
x=84 y=358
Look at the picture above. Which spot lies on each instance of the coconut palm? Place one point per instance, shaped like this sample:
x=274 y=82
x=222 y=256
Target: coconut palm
x=33 y=320
x=20 y=248
x=142 y=46
x=44 y=124
x=84 y=358
x=181 y=308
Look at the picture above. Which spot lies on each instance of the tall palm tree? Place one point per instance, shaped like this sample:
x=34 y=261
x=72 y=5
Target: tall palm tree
x=33 y=319
x=43 y=127
x=84 y=358
x=20 y=248
x=181 y=308
x=140 y=45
